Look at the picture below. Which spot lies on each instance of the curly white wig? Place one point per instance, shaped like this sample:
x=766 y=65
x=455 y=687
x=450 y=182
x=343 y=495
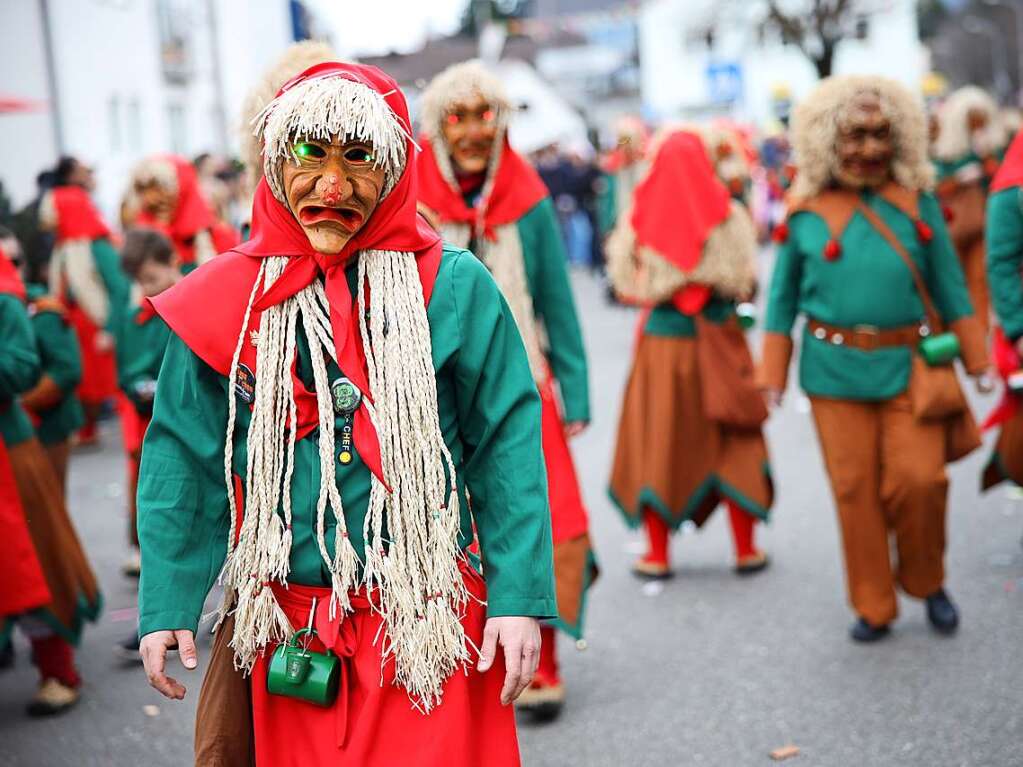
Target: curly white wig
x=459 y=83
x=954 y=138
x=815 y=131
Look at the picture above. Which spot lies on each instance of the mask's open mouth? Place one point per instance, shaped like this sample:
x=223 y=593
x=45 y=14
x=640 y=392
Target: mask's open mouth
x=348 y=218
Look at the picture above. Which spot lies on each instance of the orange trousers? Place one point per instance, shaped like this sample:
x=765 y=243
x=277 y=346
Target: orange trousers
x=887 y=472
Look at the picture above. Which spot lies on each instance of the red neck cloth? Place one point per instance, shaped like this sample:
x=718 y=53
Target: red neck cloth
x=676 y=206
x=77 y=217
x=1010 y=173
x=206 y=308
x=516 y=190
x=10 y=280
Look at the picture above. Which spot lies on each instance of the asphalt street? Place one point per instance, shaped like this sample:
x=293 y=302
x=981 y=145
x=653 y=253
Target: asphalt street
x=708 y=669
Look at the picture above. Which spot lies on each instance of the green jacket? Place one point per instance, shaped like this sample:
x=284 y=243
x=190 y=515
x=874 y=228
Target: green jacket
x=489 y=415
x=19 y=369
x=1005 y=258
x=61 y=360
x=547 y=274
x=867 y=284
x=140 y=350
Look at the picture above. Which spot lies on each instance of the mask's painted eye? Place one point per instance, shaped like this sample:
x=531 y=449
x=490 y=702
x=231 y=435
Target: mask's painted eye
x=489 y=115
x=304 y=150
x=359 y=154
x=454 y=119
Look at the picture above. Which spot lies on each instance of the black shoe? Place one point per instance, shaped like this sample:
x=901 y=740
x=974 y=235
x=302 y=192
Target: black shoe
x=942 y=614
x=862 y=631
x=7 y=656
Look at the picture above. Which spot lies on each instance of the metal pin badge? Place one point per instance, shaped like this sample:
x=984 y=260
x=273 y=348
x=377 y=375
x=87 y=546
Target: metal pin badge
x=346 y=396
x=245 y=384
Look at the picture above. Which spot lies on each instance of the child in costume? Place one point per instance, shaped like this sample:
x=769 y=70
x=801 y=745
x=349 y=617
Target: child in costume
x=866 y=257
x=333 y=391
x=85 y=276
x=690 y=435
x=969 y=146
x=483 y=195
x=52 y=403
x=165 y=196
x=150 y=260
x=51 y=590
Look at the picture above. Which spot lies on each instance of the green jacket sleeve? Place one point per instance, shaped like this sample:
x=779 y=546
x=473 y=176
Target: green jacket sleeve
x=63 y=361
x=19 y=360
x=182 y=500
x=607 y=204
x=553 y=303
x=945 y=274
x=1005 y=258
x=499 y=422
x=783 y=298
x=108 y=264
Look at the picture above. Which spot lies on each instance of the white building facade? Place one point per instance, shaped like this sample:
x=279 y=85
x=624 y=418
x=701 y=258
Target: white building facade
x=120 y=79
x=700 y=57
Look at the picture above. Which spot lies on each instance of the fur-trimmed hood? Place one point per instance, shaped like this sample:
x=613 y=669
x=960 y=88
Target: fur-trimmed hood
x=815 y=128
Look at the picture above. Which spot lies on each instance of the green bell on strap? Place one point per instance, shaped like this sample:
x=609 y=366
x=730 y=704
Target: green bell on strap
x=940 y=349
x=295 y=671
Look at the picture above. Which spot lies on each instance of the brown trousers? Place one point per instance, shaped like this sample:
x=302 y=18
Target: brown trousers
x=223 y=720
x=887 y=472
x=972 y=258
x=58 y=454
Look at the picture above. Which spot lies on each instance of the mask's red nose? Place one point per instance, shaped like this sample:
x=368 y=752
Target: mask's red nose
x=331 y=193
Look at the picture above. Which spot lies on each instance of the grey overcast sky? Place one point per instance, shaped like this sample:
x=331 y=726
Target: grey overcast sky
x=371 y=27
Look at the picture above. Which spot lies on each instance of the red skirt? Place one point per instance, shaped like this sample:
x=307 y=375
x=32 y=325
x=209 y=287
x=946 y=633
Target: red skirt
x=372 y=723
x=23 y=586
x=133 y=425
x=99 y=369
x=568 y=514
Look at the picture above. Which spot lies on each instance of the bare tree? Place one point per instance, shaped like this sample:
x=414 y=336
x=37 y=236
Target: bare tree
x=816 y=27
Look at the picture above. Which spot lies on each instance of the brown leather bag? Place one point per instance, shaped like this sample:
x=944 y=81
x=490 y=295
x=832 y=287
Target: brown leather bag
x=934 y=390
x=730 y=395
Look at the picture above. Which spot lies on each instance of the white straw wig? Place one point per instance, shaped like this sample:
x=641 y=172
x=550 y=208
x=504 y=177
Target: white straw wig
x=321 y=108
x=815 y=132
x=296 y=59
x=954 y=139
x=156 y=169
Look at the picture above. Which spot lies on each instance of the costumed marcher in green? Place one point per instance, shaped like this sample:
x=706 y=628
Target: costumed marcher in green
x=333 y=393
x=690 y=437
x=85 y=275
x=52 y=403
x=623 y=167
x=48 y=588
x=970 y=142
x=151 y=261
x=485 y=196
x=1004 y=262
x=866 y=258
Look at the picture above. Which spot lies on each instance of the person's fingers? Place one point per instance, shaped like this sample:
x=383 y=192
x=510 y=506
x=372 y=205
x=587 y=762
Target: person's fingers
x=513 y=672
x=489 y=649
x=186 y=649
x=153 y=659
x=530 y=659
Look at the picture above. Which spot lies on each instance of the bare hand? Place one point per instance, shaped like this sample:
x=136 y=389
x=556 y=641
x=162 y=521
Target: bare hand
x=520 y=638
x=772 y=398
x=154 y=654
x=575 y=428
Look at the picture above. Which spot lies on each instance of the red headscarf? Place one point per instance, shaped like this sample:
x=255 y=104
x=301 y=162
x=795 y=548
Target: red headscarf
x=676 y=206
x=516 y=190
x=1011 y=171
x=207 y=307
x=10 y=280
x=77 y=217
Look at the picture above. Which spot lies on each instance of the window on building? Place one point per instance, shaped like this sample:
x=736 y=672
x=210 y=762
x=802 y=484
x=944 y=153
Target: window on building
x=114 y=123
x=178 y=128
x=133 y=118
